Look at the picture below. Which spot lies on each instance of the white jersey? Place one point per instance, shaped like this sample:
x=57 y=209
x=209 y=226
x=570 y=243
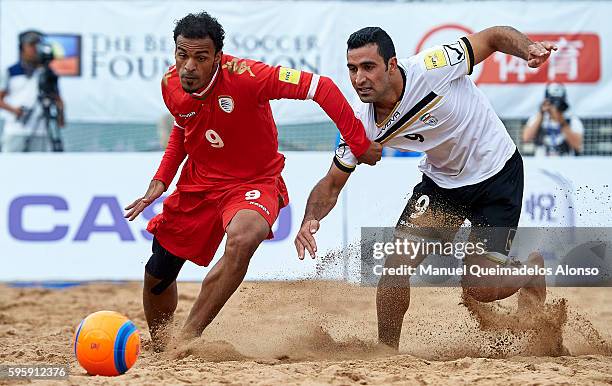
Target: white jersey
x=22 y=91
x=443 y=114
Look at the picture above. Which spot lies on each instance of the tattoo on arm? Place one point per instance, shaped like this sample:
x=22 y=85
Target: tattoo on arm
x=510 y=41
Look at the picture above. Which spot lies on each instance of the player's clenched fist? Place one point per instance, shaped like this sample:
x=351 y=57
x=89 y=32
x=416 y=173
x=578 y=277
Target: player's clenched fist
x=372 y=155
x=305 y=239
x=156 y=189
x=539 y=53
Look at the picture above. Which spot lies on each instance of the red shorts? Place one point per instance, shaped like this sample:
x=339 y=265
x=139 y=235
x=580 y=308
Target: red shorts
x=192 y=224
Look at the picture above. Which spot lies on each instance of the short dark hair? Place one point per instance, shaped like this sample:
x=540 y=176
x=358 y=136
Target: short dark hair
x=373 y=35
x=200 y=26
x=30 y=36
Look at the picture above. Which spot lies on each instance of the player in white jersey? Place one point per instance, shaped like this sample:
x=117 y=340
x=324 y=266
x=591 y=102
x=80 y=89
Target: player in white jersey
x=472 y=169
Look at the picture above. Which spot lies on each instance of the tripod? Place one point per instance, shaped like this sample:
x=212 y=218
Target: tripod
x=49 y=115
x=46 y=99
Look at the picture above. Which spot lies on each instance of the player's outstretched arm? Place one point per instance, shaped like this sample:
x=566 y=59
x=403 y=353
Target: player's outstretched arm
x=173 y=157
x=156 y=189
x=509 y=41
x=321 y=201
x=335 y=105
x=281 y=82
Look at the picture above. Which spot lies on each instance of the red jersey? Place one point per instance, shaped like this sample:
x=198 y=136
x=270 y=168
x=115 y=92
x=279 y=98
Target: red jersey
x=227 y=130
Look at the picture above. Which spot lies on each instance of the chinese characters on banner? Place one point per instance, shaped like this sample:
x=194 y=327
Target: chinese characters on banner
x=577 y=60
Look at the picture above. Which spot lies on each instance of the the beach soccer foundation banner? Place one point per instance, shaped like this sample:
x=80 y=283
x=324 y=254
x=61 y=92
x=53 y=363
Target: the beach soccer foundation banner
x=62 y=214
x=114 y=53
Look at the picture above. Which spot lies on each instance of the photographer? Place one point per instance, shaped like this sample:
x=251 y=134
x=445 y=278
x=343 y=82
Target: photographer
x=29 y=96
x=554 y=131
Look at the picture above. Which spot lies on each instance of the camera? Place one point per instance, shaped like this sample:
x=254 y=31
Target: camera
x=559 y=103
x=48 y=90
x=47 y=81
x=44 y=52
x=556 y=95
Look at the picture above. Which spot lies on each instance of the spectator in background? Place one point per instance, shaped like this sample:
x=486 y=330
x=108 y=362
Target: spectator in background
x=24 y=128
x=554 y=131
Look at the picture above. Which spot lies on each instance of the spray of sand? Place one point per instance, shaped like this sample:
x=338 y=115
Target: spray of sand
x=333 y=320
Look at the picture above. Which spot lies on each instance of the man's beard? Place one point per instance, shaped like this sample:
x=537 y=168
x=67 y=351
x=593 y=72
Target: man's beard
x=371 y=98
x=205 y=83
x=191 y=89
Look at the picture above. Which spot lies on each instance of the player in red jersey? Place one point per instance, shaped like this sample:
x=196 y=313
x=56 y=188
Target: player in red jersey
x=231 y=182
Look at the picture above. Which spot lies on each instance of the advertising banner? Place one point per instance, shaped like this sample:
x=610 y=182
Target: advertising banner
x=62 y=215
x=114 y=53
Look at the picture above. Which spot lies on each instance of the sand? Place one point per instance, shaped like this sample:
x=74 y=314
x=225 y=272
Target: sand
x=325 y=333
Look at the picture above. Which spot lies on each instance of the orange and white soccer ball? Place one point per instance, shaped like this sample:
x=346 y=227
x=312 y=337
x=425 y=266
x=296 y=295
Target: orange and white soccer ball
x=106 y=343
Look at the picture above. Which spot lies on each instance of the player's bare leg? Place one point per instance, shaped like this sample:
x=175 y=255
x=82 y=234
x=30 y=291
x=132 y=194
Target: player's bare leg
x=393 y=300
x=533 y=293
x=532 y=288
x=159 y=309
x=393 y=292
x=245 y=233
